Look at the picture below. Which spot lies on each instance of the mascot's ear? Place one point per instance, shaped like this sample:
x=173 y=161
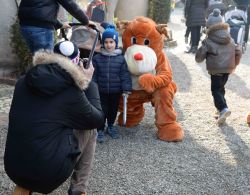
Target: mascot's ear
x=162 y=29
x=122 y=25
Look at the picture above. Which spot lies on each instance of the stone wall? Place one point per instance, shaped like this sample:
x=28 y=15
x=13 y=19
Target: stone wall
x=8 y=60
x=126 y=11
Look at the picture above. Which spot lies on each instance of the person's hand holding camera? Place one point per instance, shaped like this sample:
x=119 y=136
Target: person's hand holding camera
x=88 y=71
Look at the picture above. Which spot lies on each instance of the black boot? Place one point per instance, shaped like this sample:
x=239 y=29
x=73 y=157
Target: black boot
x=192 y=50
x=195 y=48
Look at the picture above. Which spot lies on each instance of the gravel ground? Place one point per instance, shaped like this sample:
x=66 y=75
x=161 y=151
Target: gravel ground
x=210 y=160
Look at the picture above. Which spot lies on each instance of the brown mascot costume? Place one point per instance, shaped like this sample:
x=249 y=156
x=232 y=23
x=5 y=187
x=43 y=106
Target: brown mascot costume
x=151 y=77
x=248 y=118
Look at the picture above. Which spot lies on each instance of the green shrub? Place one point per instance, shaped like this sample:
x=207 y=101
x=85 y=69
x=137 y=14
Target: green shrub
x=159 y=10
x=20 y=48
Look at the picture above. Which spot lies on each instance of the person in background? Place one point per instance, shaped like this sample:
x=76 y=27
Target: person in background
x=38 y=19
x=222 y=56
x=216 y=4
x=92 y=6
x=112 y=77
x=245 y=6
x=52 y=124
x=248 y=118
x=195 y=12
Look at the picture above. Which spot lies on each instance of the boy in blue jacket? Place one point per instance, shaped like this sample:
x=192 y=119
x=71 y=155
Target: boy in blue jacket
x=112 y=77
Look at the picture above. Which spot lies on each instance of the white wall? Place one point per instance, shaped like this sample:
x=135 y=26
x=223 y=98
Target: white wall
x=8 y=60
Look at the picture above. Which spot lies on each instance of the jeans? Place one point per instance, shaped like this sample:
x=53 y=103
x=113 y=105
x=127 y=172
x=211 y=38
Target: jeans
x=218 y=82
x=38 y=38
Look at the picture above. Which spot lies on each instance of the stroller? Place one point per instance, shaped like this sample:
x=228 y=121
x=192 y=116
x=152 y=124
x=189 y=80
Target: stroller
x=237 y=20
x=87 y=38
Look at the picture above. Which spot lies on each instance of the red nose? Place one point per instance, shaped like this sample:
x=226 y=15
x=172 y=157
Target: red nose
x=138 y=56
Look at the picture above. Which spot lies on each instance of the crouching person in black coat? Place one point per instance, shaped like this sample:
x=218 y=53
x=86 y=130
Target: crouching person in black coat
x=54 y=112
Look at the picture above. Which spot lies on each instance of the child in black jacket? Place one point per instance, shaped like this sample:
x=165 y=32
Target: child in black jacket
x=112 y=77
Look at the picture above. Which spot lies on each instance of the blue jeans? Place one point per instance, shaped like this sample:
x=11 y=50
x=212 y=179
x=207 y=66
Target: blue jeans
x=38 y=38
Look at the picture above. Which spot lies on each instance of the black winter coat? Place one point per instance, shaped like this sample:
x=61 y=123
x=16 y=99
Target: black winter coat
x=242 y=2
x=43 y=13
x=48 y=103
x=195 y=12
x=111 y=72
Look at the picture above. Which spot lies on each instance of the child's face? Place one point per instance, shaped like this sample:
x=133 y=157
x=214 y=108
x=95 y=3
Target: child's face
x=109 y=44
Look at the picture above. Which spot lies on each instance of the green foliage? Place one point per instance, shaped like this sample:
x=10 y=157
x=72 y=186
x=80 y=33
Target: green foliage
x=159 y=10
x=20 y=48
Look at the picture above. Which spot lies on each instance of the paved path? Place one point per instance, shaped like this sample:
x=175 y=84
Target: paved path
x=6 y=92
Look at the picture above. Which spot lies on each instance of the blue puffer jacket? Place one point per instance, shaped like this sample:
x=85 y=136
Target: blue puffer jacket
x=111 y=72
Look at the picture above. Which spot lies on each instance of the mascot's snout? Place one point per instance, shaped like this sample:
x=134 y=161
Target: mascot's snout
x=138 y=56
x=140 y=59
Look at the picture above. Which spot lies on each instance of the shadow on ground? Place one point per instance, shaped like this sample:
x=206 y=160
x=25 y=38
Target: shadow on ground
x=181 y=74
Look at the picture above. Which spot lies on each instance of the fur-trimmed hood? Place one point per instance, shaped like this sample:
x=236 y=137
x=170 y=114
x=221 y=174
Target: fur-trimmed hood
x=53 y=72
x=219 y=33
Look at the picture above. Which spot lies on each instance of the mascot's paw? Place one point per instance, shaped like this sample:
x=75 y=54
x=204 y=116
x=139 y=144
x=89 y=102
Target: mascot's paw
x=146 y=82
x=171 y=133
x=248 y=118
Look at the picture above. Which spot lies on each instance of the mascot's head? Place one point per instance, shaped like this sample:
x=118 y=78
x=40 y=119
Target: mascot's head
x=143 y=41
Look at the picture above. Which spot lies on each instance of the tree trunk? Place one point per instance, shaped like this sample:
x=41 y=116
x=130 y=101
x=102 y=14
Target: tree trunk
x=110 y=10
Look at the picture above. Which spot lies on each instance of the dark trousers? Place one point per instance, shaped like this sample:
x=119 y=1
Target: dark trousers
x=188 y=30
x=110 y=103
x=247 y=25
x=218 y=82
x=195 y=35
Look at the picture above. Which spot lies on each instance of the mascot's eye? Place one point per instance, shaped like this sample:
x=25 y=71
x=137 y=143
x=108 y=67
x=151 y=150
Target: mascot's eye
x=146 y=42
x=133 y=40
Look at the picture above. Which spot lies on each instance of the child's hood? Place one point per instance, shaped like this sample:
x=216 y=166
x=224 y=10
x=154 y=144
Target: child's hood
x=219 y=33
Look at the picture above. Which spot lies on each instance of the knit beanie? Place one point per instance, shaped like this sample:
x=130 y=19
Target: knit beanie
x=110 y=32
x=214 y=18
x=69 y=50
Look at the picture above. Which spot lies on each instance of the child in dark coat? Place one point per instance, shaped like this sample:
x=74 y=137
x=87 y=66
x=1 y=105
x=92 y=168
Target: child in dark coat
x=112 y=77
x=222 y=56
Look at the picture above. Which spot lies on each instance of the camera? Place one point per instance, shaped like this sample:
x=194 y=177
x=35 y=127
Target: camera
x=84 y=61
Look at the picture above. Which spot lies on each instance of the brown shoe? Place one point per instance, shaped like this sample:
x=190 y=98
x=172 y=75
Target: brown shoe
x=21 y=191
x=76 y=192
